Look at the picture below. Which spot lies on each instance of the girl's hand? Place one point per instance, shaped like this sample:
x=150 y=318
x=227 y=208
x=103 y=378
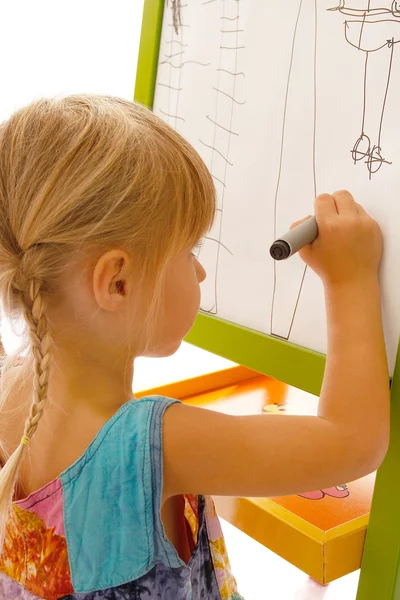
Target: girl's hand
x=349 y=243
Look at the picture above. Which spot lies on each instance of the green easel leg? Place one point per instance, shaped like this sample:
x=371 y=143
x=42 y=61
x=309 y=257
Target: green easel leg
x=380 y=569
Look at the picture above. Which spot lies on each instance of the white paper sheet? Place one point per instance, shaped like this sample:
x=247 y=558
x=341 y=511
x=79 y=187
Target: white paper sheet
x=271 y=94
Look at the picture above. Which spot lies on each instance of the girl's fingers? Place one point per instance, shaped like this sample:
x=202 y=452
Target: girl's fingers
x=345 y=203
x=325 y=207
x=361 y=211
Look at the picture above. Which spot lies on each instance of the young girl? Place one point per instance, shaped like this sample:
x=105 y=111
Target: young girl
x=103 y=496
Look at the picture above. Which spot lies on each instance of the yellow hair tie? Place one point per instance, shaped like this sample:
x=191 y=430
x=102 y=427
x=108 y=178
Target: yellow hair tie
x=25 y=440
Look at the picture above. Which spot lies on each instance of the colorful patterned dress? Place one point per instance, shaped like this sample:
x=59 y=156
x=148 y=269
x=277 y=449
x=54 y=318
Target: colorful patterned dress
x=95 y=533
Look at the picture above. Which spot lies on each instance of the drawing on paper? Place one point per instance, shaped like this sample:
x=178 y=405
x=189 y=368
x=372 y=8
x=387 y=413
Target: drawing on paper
x=227 y=102
x=172 y=63
x=374 y=31
x=170 y=76
x=273 y=136
x=283 y=329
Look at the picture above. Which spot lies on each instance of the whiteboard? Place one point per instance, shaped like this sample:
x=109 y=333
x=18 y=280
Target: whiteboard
x=285 y=100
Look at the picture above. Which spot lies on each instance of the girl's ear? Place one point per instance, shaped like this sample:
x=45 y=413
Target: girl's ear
x=110 y=280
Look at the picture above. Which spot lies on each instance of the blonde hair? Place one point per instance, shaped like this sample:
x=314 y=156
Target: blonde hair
x=78 y=174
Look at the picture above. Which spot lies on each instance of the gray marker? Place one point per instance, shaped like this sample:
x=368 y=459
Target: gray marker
x=295 y=239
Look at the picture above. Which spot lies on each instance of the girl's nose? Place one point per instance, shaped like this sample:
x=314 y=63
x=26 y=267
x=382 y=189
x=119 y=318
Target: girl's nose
x=200 y=271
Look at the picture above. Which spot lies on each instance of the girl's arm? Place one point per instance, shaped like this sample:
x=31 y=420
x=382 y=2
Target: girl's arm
x=211 y=453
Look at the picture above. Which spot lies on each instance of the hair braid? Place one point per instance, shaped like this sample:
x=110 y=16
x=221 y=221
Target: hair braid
x=41 y=350
x=32 y=303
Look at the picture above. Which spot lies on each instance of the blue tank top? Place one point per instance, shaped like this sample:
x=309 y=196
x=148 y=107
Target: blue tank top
x=95 y=533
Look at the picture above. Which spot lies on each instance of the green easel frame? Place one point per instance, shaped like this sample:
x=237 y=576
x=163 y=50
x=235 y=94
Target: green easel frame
x=302 y=368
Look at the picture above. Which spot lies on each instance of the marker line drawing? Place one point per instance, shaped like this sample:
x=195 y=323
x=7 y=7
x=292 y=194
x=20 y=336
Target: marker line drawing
x=229 y=96
x=177 y=42
x=207 y=237
x=218 y=125
x=225 y=134
x=219 y=181
x=182 y=64
x=173 y=62
x=179 y=32
x=214 y=149
x=176 y=15
x=232 y=47
x=377 y=38
x=172 y=116
x=277 y=266
x=171 y=87
x=175 y=54
x=231 y=72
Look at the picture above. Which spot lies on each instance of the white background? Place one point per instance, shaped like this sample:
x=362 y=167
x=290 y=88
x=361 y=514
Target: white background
x=49 y=47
